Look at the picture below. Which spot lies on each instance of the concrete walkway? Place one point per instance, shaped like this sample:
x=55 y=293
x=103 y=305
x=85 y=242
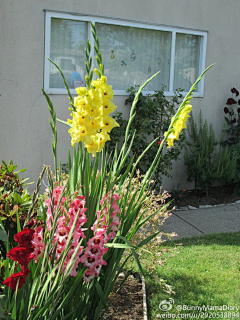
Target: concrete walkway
x=217 y=219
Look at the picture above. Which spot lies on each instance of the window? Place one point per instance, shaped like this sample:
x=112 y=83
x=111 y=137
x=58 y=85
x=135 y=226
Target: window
x=131 y=52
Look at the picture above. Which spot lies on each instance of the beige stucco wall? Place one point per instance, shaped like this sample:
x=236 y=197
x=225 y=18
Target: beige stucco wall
x=25 y=131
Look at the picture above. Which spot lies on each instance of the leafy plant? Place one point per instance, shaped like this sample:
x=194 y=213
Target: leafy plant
x=14 y=200
x=153 y=115
x=156 y=210
x=179 y=192
x=205 y=163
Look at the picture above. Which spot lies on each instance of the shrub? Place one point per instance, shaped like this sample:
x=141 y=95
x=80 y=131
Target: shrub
x=205 y=163
x=153 y=115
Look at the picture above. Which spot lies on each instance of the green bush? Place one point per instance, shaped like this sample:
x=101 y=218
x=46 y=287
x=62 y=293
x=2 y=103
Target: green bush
x=153 y=115
x=206 y=160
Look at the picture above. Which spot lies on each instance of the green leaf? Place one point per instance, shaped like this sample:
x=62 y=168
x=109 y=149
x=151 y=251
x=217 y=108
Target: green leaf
x=118 y=245
x=10 y=169
x=64 y=122
x=3 y=234
x=101 y=294
x=2 y=306
x=133 y=252
x=18 y=223
x=145 y=241
x=17 y=198
x=7 y=208
x=22 y=170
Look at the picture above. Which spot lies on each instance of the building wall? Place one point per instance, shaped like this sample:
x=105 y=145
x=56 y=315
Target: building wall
x=25 y=131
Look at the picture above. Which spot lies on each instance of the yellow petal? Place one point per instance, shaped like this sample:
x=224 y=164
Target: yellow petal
x=108 y=124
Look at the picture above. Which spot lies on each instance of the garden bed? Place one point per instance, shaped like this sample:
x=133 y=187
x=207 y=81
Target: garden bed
x=127 y=303
x=217 y=195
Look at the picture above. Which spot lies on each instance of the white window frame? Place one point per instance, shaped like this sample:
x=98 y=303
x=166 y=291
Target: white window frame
x=173 y=30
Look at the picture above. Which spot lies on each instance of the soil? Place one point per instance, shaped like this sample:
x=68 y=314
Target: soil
x=217 y=195
x=127 y=303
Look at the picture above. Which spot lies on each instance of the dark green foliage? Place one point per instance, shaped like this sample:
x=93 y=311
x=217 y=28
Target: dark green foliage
x=205 y=160
x=153 y=115
x=235 y=151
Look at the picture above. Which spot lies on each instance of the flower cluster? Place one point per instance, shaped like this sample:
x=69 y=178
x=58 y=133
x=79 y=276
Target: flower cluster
x=104 y=228
x=37 y=242
x=23 y=255
x=64 y=225
x=91 y=122
x=32 y=242
x=178 y=125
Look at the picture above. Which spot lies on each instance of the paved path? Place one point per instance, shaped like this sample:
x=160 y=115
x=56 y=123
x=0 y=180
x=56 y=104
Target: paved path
x=189 y=223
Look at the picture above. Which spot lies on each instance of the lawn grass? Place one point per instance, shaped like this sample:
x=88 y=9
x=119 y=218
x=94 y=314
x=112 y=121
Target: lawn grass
x=206 y=271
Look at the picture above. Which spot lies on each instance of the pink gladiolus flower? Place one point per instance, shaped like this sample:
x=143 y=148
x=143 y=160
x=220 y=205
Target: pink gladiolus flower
x=88 y=276
x=104 y=229
x=64 y=225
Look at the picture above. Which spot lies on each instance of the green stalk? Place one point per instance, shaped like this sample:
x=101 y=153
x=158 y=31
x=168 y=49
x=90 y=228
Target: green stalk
x=54 y=130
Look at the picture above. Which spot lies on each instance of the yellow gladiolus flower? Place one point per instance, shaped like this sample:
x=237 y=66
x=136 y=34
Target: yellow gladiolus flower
x=81 y=91
x=94 y=94
x=98 y=142
x=81 y=133
x=94 y=112
x=79 y=118
x=178 y=125
x=92 y=148
x=95 y=124
x=101 y=138
x=107 y=107
x=108 y=124
x=107 y=92
x=91 y=122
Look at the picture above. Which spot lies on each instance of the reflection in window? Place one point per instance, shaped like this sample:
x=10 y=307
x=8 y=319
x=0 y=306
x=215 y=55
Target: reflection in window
x=131 y=52
x=186 y=66
x=131 y=55
x=68 y=40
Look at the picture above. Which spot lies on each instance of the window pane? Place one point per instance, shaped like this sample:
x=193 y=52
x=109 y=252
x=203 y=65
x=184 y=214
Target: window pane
x=132 y=55
x=68 y=40
x=186 y=66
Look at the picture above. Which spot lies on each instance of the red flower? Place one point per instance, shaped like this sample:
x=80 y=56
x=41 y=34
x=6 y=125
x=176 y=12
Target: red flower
x=159 y=142
x=184 y=189
x=231 y=101
x=23 y=255
x=24 y=238
x=30 y=224
x=180 y=196
x=20 y=254
x=13 y=279
x=226 y=110
x=234 y=90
